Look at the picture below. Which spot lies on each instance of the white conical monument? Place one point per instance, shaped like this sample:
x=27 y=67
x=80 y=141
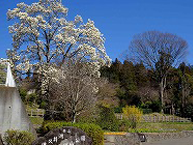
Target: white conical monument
x=12 y=110
x=10 y=82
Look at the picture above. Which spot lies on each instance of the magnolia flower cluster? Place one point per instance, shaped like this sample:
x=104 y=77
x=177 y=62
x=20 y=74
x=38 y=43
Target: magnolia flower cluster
x=50 y=72
x=4 y=61
x=42 y=35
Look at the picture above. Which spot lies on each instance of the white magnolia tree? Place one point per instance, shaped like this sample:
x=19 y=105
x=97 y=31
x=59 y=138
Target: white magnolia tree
x=43 y=38
x=45 y=43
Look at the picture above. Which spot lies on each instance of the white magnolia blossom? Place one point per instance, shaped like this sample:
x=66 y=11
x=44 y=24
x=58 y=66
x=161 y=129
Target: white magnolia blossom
x=4 y=61
x=42 y=36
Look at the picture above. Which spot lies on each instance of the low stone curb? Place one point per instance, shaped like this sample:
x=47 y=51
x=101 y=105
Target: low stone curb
x=133 y=138
x=127 y=139
x=163 y=136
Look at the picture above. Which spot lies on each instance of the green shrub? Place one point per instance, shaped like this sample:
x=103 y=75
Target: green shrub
x=43 y=104
x=124 y=125
x=133 y=114
x=32 y=98
x=88 y=116
x=92 y=130
x=147 y=111
x=118 y=109
x=23 y=94
x=86 y=119
x=107 y=119
x=16 y=137
x=155 y=106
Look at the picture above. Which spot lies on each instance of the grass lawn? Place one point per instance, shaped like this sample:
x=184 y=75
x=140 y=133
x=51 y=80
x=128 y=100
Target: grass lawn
x=37 y=121
x=163 y=127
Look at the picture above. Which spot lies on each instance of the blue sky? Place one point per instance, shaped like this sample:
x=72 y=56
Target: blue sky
x=120 y=20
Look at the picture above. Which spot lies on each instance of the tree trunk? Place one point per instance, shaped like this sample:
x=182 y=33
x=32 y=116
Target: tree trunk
x=183 y=96
x=74 y=118
x=162 y=94
x=74 y=113
x=173 y=110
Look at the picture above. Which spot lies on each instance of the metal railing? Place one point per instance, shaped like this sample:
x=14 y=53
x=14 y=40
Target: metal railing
x=36 y=113
x=148 y=118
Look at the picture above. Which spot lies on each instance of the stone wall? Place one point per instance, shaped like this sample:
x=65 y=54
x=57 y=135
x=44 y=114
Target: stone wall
x=133 y=138
x=127 y=139
x=163 y=136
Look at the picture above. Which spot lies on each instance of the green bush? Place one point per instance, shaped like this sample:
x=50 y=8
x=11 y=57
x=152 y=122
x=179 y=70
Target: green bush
x=107 y=119
x=32 y=98
x=133 y=114
x=92 y=130
x=155 y=106
x=43 y=105
x=147 y=111
x=16 y=137
x=86 y=119
x=23 y=94
x=118 y=109
x=124 y=125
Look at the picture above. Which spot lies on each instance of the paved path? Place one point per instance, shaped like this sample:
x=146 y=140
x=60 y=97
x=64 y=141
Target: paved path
x=182 y=141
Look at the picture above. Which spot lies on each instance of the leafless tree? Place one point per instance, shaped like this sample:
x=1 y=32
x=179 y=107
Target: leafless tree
x=76 y=89
x=147 y=93
x=107 y=93
x=158 y=51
